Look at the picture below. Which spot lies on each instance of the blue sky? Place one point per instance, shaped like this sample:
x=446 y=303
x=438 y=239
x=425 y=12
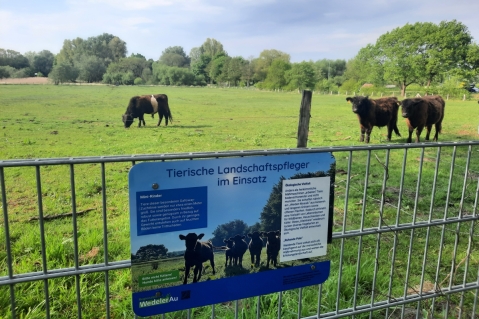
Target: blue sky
x=306 y=29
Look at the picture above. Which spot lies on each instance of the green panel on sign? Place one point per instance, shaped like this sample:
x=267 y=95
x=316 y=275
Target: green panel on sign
x=159 y=278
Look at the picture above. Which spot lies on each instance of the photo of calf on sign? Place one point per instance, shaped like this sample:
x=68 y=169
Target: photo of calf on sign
x=210 y=222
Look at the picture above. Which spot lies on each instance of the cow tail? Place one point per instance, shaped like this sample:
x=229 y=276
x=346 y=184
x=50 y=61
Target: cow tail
x=170 y=117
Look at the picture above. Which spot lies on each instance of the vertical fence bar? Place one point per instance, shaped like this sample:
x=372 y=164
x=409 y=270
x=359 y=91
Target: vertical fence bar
x=236 y=309
x=105 y=240
x=380 y=225
x=320 y=295
x=75 y=239
x=341 y=254
x=411 y=238
x=441 y=243
x=428 y=232
x=360 y=243
x=300 y=297
x=395 y=243
x=7 y=241
x=458 y=229
x=42 y=239
x=258 y=306
x=280 y=299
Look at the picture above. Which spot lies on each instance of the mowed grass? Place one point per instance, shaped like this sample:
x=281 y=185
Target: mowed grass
x=71 y=121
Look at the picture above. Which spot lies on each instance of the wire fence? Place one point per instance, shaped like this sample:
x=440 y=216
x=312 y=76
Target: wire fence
x=405 y=240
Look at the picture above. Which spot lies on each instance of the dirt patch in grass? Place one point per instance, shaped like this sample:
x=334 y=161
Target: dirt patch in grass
x=31 y=80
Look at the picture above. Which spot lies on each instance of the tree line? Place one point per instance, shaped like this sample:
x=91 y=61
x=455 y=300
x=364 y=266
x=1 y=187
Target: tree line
x=424 y=54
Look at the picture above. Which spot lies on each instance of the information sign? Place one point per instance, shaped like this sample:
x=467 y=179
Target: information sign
x=210 y=231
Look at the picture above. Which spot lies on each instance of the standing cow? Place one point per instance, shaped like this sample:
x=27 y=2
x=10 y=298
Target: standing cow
x=380 y=112
x=255 y=246
x=423 y=112
x=147 y=104
x=196 y=254
x=273 y=245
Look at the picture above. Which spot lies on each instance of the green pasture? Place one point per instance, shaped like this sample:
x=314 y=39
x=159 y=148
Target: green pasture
x=48 y=121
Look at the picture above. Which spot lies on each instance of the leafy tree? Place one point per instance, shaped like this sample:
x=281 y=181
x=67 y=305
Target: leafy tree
x=4 y=72
x=172 y=75
x=365 y=68
x=63 y=72
x=195 y=54
x=276 y=77
x=234 y=69
x=13 y=59
x=264 y=61
x=91 y=68
x=470 y=68
x=201 y=67
x=150 y=252
x=420 y=52
x=302 y=76
x=216 y=68
x=329 y=69
x=248 y=71
x=212 y=48
x=43 y=62
x=225 y=231
x=175 y=56
x=133 y=65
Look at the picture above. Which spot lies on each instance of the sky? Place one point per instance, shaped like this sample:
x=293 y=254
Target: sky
x=305 y=29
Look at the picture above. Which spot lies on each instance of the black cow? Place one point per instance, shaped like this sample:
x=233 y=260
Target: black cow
x=255 y=246
x=196 y=254
x=147 y=104
x=379 y=112
x=239 y=248
x=423 y=112
x=229 y=253
x=273 y=245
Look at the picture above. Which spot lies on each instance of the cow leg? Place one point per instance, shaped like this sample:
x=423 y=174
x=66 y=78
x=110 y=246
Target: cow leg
x=390 y=131
x=428 y=131
x=418 y=133
x=438 y=129
x=257 y=260
x=187 y=273
x=363 y=130
x=409 y=139
x=212 y=263
x=161 y=118
x=197 y=272
x=368 y=134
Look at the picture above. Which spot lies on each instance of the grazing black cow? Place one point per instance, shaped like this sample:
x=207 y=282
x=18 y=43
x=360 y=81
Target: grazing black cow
x=147 y=104
x=255 y=246
x=380 y=112
x=196 y=254
x=239 y=248
x=273 y=245
x=423 y=112
x=229 y=253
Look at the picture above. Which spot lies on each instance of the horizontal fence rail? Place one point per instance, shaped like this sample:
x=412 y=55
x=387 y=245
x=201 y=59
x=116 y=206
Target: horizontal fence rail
x=405 y=237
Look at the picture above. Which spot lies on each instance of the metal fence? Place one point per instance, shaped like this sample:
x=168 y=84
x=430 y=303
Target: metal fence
x=404 y=241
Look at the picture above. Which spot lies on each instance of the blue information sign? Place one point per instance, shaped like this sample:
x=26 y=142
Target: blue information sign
x=210 y=231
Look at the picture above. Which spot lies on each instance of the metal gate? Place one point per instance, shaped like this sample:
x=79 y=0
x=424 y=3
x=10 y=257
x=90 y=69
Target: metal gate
x=405 y=237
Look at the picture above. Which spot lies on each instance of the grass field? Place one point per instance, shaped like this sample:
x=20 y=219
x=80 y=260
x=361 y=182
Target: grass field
x=70 y=121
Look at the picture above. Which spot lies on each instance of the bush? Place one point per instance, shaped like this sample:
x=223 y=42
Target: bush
x=138 y=81
x=4 y=72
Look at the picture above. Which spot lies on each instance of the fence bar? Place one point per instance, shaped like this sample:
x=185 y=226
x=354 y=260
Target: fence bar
x=428 y=231
x=105 y=239
x=446 y=209
x=341 y=254
x=42 y=239
x=360 y=243
x=7 y=242
x=75 y=239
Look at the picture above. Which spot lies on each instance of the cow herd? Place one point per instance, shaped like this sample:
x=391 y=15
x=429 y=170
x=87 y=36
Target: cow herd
x=197 y=252
x=419 y=112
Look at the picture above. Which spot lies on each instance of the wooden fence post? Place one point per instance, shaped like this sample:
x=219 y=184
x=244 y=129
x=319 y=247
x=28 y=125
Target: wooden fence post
x=304 y=116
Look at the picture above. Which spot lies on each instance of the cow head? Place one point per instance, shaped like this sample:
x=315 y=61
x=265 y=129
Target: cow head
x=127 y=120
x=238 y=238
x=255 y=235
x=408 y=106
x=271 y=235
x=360 y=104
x=190 y=240
x=229 y=242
